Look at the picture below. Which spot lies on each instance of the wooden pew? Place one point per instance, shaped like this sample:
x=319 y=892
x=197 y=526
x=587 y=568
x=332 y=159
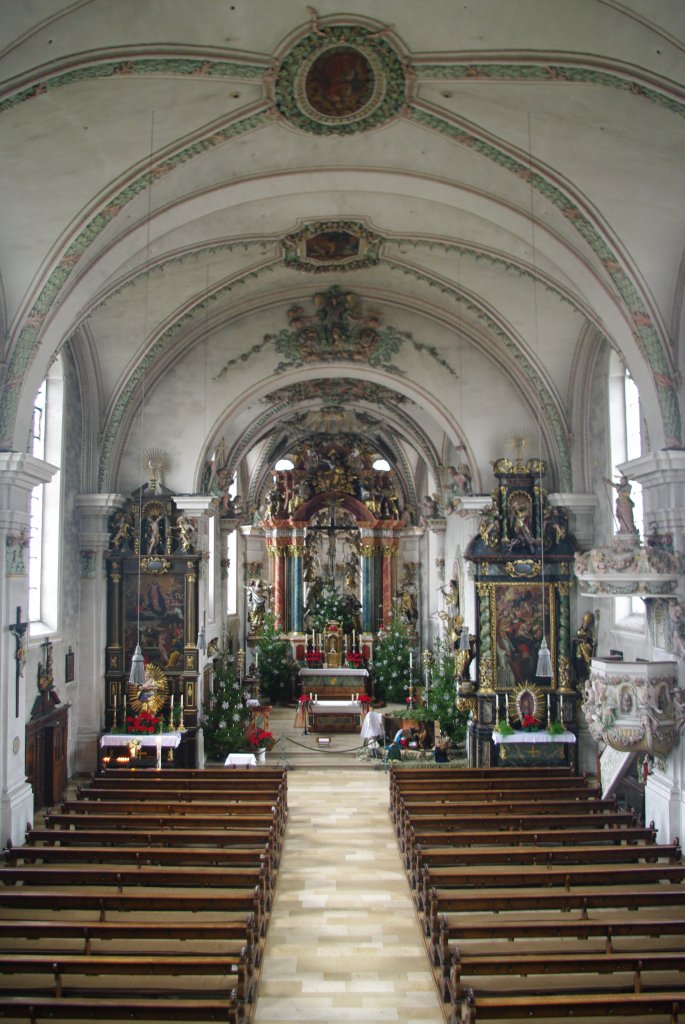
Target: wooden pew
x=525 y=970
x=98 y=818
x=62 y=936
x=536 y=838
x=123 y=876
x=495 y=932
x=576 y=854
x=668 y=1005
x=563 y=877
x=120 y=1007
x=66 y=973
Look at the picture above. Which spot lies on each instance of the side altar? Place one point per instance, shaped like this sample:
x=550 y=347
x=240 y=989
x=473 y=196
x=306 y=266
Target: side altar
x=522 y=563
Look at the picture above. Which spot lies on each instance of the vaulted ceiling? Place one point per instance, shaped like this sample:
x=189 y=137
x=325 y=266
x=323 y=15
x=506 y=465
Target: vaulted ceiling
x=497 y=189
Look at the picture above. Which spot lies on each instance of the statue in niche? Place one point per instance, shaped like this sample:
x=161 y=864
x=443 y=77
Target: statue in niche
x=257 y=596
x=676 y=614
x=186 y=528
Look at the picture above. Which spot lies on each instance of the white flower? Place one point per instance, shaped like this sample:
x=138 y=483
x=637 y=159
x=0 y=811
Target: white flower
x=223 y=724
x=225 y=706
x=236 y=717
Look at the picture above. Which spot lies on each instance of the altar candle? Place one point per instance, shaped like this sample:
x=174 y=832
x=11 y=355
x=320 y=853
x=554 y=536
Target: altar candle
x=561 y=707
x=411 y=661
x=114 y=699
x=171 y=704
x=316 y=698
x=181 y=702
x=506 y=705
x=354 y=638
x=549 y=708
x=311 y=696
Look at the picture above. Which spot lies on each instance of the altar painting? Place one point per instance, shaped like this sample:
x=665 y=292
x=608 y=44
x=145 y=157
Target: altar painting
x=161 y=613
x=517 y=629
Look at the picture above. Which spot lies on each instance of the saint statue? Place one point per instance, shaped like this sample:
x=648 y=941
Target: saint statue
x=584 y=643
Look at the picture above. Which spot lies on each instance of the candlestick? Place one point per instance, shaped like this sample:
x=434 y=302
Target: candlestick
x=506 y=706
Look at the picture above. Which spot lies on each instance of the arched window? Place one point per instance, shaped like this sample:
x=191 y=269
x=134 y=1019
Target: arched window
x=46 y=505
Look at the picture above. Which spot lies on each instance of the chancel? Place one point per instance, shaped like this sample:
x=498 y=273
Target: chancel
x=341 y=400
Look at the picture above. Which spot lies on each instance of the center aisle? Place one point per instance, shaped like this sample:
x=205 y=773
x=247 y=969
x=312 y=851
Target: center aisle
x=343 y=943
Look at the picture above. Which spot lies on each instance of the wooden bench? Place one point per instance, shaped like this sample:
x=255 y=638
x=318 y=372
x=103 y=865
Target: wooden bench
x=168 y=838
x=120 y=1007
x=511 y=932
x=523 y=970
x=99 y=818
x=66 y=935
x=595 y=1005
x=551 y=856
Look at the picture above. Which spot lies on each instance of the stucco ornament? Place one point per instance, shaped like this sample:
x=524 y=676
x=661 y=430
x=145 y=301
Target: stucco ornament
x=624 y=567
x=630 y=712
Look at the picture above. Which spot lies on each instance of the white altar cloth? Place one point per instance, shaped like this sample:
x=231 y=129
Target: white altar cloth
x=122 y=739
x=533 y=737
x=359 y=672
x=336 y=707
x=241 y=760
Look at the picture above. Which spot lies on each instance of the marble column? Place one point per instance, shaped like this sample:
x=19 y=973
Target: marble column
x=87 y=713
x=19 y=474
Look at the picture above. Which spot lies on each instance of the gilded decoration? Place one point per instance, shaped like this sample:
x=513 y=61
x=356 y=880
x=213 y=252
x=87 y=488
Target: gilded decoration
x=340 y=79
x=528 y=701
x=332 y=245
x=152 y=695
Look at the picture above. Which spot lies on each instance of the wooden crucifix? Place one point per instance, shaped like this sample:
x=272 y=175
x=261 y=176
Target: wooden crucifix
x=18 y=631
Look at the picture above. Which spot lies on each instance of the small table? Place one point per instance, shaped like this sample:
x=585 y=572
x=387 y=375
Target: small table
x=336 y=715
x=241 y=760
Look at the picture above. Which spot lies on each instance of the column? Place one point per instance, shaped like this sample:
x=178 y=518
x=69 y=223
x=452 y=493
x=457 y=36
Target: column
x=88 y=711
x=276 y=547
x=389 y=556
x=295 y=582
x=19 y=474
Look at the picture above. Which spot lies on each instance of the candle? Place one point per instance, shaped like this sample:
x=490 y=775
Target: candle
x=311 y=696
x=411 y=661
x=114 y=698
x=561 y=707
x=316 y=698
x=181 y=702
x=256 y=658
x=354 y=638
x=549 y=708
x=506 y=706
x=171 y=704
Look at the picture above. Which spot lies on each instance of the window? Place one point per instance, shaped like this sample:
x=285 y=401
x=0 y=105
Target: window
x=45 y=505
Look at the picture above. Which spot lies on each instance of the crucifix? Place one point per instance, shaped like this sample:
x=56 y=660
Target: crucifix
x=18 y=631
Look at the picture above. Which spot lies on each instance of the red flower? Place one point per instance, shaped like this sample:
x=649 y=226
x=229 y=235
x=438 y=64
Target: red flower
x=145 y=723
x=529 y=722
x=364 y=698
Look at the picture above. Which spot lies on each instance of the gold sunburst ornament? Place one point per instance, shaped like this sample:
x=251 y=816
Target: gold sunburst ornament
x=155 y=462
x=151 y=696
x=528 y=699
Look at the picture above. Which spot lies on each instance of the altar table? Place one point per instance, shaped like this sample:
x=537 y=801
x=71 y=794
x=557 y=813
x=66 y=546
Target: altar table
x=156 y=741
x=527 y=748
x=335 y=715
x=241 y=760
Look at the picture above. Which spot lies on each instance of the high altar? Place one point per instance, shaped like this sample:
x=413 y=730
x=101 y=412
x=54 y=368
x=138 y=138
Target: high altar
x=334 y=689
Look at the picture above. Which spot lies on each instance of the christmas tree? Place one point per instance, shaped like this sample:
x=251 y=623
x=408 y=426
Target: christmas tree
x=226 y=718
x=440 y=695
x=391 y=670
x=276 y=669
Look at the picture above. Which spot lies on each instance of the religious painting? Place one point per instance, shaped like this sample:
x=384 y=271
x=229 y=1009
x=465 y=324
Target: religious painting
x=340 y=82
x=160 y=612
x=517 y=631
x=328 y=246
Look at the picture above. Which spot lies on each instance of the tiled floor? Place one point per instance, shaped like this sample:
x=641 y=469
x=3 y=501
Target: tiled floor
x=344 y=943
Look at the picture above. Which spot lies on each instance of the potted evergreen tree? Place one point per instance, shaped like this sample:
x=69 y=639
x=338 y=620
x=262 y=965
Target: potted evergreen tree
x=276 y=668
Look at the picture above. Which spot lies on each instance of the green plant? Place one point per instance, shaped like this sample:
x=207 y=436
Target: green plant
x=503 y=728
x=225 y=718
x=276 y=669
x=391 y=660
x=555 y=728
x=440 y=699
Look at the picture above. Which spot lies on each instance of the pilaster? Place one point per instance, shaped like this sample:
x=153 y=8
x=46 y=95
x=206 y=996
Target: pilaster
x=19 y=474
x=87 y=714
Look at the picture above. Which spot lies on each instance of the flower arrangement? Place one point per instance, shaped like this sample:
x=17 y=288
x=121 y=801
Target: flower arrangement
x=144 y=724
x=304 y=700
x=364 y=700
x=314 y=659
x=555 y=728
x=503 y=728
x=355 y=659
x=529 y=723
x=258 y=738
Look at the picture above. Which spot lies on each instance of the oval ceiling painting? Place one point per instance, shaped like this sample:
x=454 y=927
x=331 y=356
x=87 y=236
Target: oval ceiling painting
x=344 y=79
x=340 y=82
